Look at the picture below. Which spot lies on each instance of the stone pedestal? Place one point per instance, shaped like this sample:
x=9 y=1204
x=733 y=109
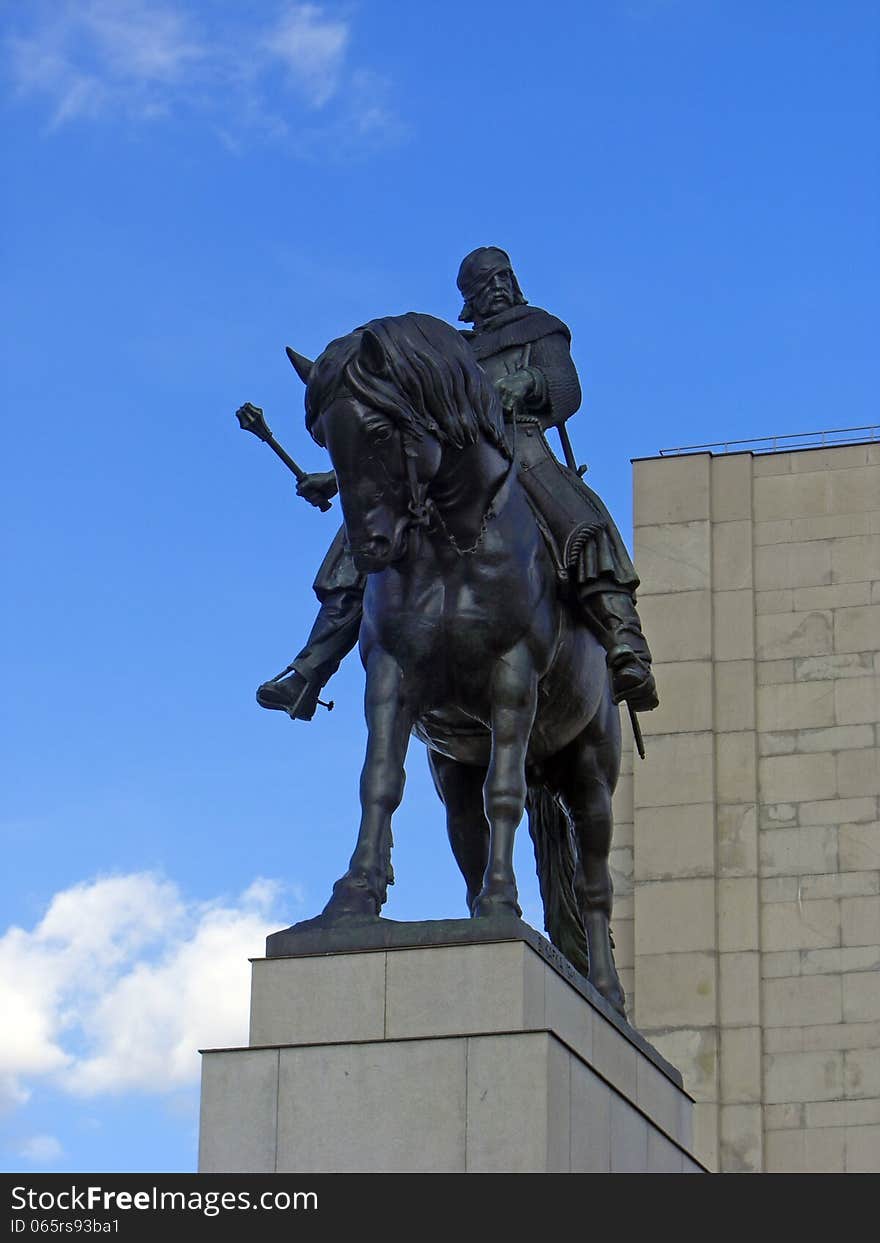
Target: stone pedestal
x=438 y=1057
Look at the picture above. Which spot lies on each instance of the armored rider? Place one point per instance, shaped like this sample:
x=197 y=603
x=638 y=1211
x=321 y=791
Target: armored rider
x=526 y=353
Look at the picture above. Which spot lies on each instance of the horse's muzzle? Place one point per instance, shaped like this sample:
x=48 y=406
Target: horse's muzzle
x=377 y=552
x=373 y=554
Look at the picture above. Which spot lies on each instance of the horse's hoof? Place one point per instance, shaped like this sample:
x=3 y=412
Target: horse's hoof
x=613 y=993
x=353 y=898
x=603 y=972
x=501 y=901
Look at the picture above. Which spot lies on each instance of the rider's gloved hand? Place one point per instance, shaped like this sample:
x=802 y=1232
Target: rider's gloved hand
x=318 y=487
x=517 y=390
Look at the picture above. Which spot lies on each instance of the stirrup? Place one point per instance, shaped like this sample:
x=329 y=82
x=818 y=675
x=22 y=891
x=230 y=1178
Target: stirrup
x=283 y=694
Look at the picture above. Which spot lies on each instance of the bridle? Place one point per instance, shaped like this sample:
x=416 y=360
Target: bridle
x=423 y=511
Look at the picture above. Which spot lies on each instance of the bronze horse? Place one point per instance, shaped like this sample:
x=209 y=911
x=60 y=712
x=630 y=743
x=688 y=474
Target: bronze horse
x=465 y=639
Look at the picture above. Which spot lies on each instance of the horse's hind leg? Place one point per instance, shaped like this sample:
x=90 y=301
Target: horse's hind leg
x=587 y=776
x=460 y=786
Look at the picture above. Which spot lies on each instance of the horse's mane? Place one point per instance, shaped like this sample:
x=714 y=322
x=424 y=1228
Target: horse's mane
x=431 y=382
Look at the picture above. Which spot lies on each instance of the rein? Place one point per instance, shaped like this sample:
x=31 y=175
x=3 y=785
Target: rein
x=424 y=512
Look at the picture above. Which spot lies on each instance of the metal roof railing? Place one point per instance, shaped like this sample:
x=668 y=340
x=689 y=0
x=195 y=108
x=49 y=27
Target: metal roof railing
x=781 y=444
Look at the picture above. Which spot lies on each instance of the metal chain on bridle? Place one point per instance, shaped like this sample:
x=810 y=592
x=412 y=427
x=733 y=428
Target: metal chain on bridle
x=424 y=512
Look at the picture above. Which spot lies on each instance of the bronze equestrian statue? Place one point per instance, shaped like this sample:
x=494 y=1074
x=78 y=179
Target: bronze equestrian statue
x=492 y=599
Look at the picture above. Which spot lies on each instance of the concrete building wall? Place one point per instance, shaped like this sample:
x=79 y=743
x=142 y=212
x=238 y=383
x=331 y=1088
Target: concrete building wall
x=747 y=845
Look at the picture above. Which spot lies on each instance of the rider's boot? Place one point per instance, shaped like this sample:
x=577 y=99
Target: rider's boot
x=290 y=692
x=612 y=616
x=295 y=690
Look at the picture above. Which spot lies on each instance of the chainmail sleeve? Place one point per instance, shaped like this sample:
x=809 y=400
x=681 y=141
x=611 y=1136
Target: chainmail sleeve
x=561 y=396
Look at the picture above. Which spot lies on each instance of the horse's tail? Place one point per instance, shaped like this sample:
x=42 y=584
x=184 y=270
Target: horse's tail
x=556 y=860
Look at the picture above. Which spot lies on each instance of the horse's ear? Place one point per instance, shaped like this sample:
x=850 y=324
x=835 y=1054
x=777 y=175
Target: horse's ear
x=301 y=365
x=371 y=355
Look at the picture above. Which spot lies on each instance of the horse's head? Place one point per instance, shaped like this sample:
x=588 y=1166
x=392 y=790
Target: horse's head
x=383 y=468
x=386 y=401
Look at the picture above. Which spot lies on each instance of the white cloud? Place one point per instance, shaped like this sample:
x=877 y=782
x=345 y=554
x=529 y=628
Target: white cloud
x=41 y=1149
x=12 y=1093
x=141 y=41
x=312 y=47
x=247 y=76
x=97 y=57
x=122 y=981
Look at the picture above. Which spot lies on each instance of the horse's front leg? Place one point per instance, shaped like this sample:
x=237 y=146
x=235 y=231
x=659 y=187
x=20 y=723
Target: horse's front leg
x=364 y=887
x=514 y=694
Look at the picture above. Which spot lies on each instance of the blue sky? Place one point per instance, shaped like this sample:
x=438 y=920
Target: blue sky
x=692 y=185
